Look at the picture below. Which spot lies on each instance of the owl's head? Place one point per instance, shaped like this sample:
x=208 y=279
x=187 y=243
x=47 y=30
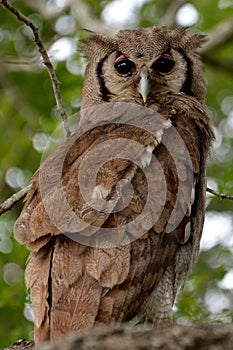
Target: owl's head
x=137 y=65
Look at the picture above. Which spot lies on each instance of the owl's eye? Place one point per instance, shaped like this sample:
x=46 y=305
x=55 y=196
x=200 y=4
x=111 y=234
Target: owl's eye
x=163 y=65
x=124 y=66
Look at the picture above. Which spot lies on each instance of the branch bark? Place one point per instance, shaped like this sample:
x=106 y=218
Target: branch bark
x=55 y=84
x=179 y=337
x=220 y=195
x=15 y=198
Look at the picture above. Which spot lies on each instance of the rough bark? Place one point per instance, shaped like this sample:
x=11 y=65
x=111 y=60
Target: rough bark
x=122 y=337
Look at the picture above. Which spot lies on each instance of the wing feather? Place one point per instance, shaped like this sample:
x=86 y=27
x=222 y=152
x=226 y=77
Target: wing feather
x=76 y=280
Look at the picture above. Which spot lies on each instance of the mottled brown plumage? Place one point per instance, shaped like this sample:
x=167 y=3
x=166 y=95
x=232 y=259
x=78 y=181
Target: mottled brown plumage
x=114 y=217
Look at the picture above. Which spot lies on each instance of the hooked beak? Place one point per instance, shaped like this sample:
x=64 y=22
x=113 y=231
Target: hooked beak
x=144 y=84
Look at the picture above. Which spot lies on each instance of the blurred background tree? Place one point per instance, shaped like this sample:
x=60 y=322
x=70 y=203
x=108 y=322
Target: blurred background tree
x=28 y=119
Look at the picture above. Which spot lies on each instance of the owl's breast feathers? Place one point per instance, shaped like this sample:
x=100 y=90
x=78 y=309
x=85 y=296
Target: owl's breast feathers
x=111 y=210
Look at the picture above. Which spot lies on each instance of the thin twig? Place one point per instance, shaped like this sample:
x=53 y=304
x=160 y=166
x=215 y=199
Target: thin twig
x=15 y=198
x=220 y=195
x=46 y=61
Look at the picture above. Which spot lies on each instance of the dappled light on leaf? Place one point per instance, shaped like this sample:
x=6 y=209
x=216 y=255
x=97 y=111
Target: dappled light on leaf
x=216 y=301
x=65 y=25
x=12 y=273
x=187 y=15
x=17 y=178
x=62 y=49
x=5 y=244
x=218 y=228
x=40 y=141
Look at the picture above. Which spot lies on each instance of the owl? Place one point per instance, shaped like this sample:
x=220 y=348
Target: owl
x=114 y=215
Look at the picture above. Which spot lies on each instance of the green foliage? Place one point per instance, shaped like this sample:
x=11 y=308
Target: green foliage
x=204 y=283
x=28 y=116
x=13 y=294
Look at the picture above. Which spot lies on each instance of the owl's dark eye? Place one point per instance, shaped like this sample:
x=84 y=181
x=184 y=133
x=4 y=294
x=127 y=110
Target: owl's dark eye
x=124 y=66
x=163 y=65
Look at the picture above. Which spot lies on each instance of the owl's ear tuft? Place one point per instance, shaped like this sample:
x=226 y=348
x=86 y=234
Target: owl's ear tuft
x=97 y=46
x=198 y=40
x=194 y=41
x=191 y=41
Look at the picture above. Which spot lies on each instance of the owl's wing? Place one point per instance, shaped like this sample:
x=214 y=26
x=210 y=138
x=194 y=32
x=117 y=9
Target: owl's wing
x=105 y=217
x=162 y=262
x=81 y=183
x=73 y=194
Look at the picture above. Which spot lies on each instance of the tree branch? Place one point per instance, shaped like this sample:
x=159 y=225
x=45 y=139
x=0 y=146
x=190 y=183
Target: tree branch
x=220 y=195
x=179 y=337
x=219 y=36
x=46 y=61
x=15 y=198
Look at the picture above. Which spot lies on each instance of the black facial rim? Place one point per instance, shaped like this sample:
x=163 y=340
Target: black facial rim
x=105 y=93
x=187 y=85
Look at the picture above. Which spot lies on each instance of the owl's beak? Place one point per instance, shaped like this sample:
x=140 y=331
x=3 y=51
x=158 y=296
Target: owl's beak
x=144 y=84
